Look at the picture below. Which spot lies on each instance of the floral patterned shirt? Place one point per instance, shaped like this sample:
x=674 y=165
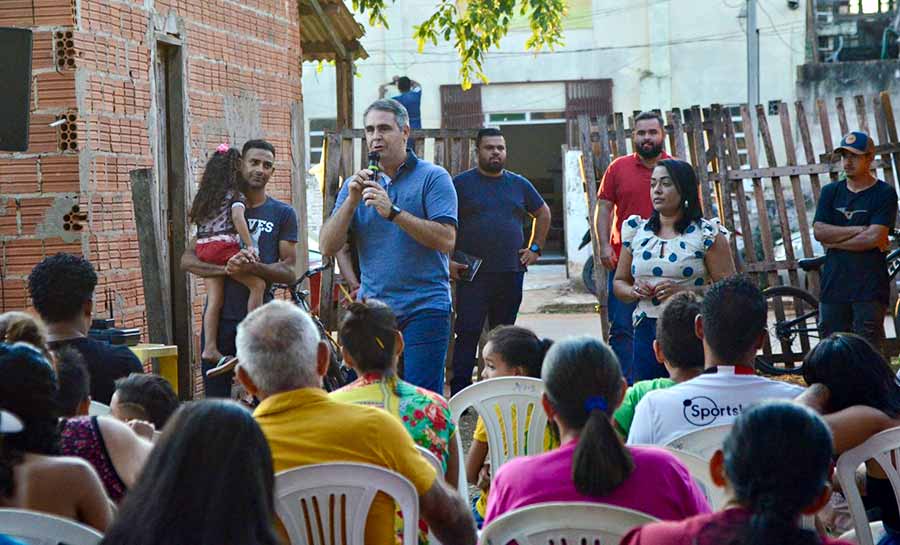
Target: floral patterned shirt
x=425 y=415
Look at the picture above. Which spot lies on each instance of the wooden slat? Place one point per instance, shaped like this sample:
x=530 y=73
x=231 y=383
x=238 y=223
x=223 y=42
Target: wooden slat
x=861 y=117
x=419 y=147
x=808 y=150
x=621 y=147
x=734 y=162
x=590 y=186
x=455 y=156
x=881 y=129
x=332 y=186
x=796 y=187
x=677 y=133
x=825 y=124
x=891 y=125
x=698 y=159
x=759 y=194
x=726 y=210
x=439 y=144
x=780 y=204
x=842 y=115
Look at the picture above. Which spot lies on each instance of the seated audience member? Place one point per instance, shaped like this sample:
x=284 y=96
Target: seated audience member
x=22 y=327
x=732 y=325
x=583 y=386
x=209 y=481
x=676 y=347
x=853 y=387
x=32 y=476
x=372 y=344
x=144 y=397
x=62 y=291
x=776 y=465
x=509 y=351
x=115 y=451
x=282 y=362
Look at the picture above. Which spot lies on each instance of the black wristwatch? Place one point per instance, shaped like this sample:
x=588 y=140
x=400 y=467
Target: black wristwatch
x=535 y=248
x=394 y=211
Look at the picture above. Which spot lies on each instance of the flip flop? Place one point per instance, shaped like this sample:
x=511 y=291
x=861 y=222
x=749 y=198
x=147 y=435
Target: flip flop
x=226 y=364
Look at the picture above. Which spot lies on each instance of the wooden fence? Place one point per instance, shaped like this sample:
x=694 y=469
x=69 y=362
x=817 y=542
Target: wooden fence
x=453 y=149
x=764 y=198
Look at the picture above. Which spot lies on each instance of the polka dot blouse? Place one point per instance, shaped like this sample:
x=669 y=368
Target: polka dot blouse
x=655 y=259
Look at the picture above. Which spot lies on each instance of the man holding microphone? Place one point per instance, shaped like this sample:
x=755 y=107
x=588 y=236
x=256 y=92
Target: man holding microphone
x=403 y=216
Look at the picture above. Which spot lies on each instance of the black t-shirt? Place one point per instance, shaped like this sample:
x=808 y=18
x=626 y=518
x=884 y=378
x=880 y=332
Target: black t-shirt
x=850 y=277
x=105 y=362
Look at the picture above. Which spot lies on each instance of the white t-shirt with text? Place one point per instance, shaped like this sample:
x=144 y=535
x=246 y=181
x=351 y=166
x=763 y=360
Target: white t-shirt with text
x=711 y=399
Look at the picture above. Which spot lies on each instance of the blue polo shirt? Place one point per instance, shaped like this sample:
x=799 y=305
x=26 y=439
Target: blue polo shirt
x=394 y=267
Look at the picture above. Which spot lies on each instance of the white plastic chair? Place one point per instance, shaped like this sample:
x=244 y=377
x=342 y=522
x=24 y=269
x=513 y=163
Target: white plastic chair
x=98 y=409
x=884 y=448
x=503 y=393
x=563 y=522
x=699 y=469
x=703 y=442
x=43 y=529
x=432 y=459
x=304 y=496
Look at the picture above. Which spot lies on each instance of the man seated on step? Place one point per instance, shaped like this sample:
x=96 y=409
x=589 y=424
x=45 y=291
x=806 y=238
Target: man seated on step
x=732 y=325
x=282 y=361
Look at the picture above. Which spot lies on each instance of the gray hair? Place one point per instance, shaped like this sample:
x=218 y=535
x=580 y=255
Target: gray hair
x=392 y=106
x=277 y=345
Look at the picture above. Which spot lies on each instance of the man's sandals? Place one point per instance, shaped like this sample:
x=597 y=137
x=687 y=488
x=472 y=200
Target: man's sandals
x=226 y=364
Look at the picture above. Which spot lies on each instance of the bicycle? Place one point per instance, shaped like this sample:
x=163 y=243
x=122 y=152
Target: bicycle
x=338 y=373
x=795 y=324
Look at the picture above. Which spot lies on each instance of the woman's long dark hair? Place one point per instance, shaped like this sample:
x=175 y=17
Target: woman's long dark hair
x=685 y=179
x=221 y=174
x=520 y=347
x=855 y=372
x=368 y=332
x=778 y=461
x=583 y=382
x=28 y=390
x=209 y=481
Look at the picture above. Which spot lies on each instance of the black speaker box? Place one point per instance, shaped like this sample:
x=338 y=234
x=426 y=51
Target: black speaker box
x=15 y=89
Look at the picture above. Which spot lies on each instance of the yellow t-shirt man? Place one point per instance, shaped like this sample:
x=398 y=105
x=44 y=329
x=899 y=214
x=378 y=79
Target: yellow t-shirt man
x=305 y=427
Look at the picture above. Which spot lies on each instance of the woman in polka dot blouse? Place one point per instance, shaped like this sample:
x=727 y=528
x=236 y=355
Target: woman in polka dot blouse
x=675 y=249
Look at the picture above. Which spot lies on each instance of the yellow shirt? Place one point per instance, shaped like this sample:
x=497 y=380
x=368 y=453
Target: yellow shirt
x=480 y=434
x=305 y=427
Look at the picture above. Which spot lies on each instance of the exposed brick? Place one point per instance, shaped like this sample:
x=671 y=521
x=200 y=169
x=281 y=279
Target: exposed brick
x=59 y=174
x=55 y=90
x=9 y=214
x=42 y=51
x=18 y=176
x=13 y=294
x=32 y=213
x=21 y=255
x=16 y=13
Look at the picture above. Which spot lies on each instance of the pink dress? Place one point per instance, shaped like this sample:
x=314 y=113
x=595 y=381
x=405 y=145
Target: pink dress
x=659 y=485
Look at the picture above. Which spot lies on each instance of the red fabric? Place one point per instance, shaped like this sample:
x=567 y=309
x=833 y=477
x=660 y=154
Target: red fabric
x=626 y=184
x=216 y=252
x=685 y=532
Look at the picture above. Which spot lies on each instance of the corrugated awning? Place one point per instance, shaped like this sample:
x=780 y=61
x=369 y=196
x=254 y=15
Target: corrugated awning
x=329 y=32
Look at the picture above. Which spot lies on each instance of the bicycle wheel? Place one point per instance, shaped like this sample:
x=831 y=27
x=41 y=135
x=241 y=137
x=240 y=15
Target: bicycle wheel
x=792 y=330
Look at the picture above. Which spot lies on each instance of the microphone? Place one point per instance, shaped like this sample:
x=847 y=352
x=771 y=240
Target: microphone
x=374 y=157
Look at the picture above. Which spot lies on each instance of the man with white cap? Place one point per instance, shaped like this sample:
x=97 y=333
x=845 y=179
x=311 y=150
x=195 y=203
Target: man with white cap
x=853 y=218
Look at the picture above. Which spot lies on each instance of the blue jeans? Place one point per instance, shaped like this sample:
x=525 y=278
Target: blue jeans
x=866 y=319
x=426 y=336
x=621 y=333
x=220 y=386
x=645 y=365
x=495 y=296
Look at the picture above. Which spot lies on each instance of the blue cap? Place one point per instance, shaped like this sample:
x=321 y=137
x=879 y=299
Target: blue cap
x=857 y=143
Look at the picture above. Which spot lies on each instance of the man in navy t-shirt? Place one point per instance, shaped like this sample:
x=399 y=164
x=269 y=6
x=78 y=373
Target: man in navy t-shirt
x=853 y=218
x=494 y=203
x=410 y=96
x=273 y=225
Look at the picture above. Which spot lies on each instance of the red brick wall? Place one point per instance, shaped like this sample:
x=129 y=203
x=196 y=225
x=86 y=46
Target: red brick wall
x=93 y=65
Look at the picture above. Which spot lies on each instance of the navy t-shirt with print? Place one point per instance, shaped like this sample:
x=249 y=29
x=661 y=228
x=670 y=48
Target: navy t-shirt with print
x=270 y=223
x=847 y=276
x=492 y=212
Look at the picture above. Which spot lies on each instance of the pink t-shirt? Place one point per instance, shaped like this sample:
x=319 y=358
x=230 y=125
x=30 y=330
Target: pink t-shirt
x=709 y=529
x=659 y=485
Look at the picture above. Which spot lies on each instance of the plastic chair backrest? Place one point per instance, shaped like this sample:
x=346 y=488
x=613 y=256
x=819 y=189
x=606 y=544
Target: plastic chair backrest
x=432 y=459
x=502 y=394
x=304 y=496
x=699 y=468
x=44 y=529
x=884 y=449
x=98 y=409
x=703 y=442
x=563 y=522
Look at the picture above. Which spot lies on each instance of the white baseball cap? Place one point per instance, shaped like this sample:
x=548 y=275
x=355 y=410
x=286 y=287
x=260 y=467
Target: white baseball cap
x=10 y=423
